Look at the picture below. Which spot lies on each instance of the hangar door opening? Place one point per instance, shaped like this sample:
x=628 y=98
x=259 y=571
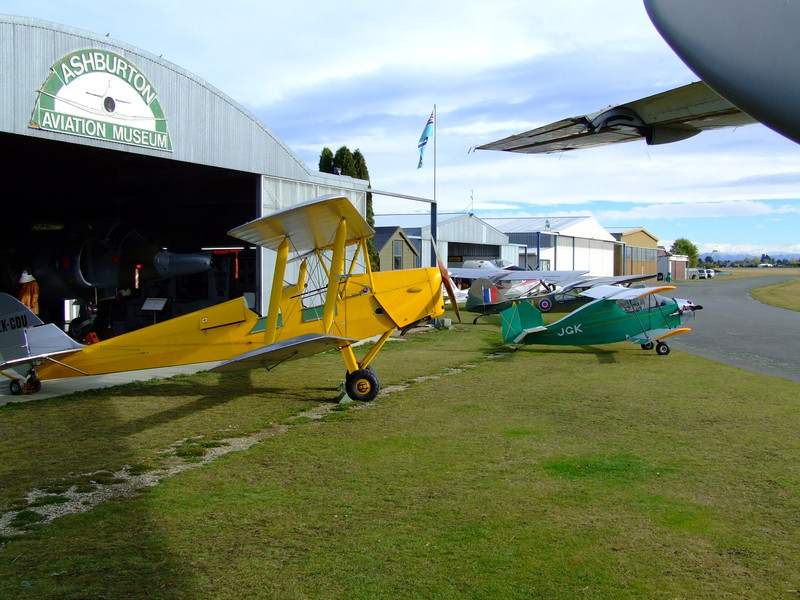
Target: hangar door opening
x=113 y=228
x=458 y=253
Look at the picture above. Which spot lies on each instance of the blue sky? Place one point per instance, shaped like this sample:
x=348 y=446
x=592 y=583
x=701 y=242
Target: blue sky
x=366 y=74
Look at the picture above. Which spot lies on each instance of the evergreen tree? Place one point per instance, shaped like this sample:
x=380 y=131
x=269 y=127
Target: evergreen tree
x=361 y=172
x=326 y=161
x=344 y=160
x=352 y=164
x=687 y=248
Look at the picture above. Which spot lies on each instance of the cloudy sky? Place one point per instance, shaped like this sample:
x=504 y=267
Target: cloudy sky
x=366 y=74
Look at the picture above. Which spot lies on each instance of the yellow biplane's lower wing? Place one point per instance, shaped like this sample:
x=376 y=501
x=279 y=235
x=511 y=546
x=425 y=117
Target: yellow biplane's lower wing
x=274 y=354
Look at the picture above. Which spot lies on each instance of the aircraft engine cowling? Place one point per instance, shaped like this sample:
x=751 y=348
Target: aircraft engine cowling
x=666 y=135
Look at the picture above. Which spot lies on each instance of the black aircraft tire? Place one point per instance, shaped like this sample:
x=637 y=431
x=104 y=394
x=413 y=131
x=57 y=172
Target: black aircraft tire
x=15 y=387
x=662 y=349
x=362 y=384
x=648 y=346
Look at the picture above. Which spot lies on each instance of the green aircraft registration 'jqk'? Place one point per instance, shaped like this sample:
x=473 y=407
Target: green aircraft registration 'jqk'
x=639 y=315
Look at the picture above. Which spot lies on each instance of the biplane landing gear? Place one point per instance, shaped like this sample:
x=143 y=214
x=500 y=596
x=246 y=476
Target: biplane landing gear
x=362 y=384
x=15 y=386
x=648 y=346
x=662 y=349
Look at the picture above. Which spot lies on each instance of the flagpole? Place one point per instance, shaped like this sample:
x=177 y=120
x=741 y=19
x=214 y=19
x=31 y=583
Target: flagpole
x=434 y=230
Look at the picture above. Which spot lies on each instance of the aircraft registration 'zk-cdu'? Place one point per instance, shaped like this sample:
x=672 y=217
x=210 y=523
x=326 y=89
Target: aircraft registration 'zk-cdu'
x=353 y=304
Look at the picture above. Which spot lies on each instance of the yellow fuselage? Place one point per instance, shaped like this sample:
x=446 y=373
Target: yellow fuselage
x=368 y=305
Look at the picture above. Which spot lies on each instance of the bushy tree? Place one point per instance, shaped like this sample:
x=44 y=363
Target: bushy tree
x=352 y=164
x=687 y=248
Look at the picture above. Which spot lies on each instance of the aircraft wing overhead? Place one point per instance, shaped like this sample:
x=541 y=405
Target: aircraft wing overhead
x=310 y=225
x=274 y=354
x=667 y=117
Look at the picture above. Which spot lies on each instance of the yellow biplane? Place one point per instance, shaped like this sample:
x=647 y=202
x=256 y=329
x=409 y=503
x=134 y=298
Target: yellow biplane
x=354 y=303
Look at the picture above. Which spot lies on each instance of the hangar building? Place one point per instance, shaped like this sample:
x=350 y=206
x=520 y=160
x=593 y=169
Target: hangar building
x=460 y=237
x=560 y=243
x=112 y=155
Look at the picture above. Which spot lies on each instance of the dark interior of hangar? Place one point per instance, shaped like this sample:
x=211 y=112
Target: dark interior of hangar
x=93 y=224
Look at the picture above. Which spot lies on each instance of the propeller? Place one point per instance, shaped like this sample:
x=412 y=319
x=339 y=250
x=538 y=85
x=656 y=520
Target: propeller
x=446 y=280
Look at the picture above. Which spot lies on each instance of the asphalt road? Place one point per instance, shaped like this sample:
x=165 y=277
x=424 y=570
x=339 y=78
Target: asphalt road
x=734 y=329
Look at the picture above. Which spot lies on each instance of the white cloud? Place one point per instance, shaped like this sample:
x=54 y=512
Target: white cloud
x=696 y=210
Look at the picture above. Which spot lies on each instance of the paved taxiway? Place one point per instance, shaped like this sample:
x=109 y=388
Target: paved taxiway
x=61 y=387
x=734 y=329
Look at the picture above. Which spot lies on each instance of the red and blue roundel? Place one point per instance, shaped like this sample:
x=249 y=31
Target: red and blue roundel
x=545 y=304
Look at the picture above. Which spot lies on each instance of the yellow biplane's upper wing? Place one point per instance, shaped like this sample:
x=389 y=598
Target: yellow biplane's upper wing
x=667 y=117
x=310 y=225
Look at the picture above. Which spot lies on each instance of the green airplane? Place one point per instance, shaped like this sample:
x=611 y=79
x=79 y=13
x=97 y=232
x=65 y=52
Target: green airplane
x=616 y=314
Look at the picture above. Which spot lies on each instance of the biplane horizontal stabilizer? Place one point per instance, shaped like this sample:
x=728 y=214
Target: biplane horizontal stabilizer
x=274 y=354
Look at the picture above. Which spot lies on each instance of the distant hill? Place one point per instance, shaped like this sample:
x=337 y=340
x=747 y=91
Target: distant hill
x=738 y=256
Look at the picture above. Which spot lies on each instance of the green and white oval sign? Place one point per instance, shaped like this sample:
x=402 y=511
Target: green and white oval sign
x=99 y=94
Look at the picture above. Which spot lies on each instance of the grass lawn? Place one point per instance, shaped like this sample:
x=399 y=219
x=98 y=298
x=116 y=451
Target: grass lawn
x=784 y=295
x=478 y=473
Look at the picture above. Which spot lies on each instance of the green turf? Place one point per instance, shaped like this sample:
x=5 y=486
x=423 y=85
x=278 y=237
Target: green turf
x=602 y=472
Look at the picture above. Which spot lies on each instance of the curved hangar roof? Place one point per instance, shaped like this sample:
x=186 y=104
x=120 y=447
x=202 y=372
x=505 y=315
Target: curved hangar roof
x=108 y=127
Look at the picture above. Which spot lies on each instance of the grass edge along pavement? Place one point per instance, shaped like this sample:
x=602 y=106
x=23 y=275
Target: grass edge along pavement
x=544 y=487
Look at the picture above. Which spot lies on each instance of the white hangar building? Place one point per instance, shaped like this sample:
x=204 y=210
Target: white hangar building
x=560 y=243
x=111 y=154
x=460 y=237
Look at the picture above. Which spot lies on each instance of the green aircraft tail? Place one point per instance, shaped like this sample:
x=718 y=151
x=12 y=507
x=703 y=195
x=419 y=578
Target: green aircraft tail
x=520 y=317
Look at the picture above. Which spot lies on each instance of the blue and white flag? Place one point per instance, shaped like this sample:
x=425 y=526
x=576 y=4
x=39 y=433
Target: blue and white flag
x=423 y=139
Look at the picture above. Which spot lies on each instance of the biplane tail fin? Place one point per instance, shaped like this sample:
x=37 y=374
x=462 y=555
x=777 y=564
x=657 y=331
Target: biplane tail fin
x=484 y=293
x=15 y=319
x=519 y=320
x=25 y=337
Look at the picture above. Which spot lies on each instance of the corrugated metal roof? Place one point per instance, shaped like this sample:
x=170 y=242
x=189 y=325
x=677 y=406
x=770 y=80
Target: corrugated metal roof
x=415 y=221
x=534 y=224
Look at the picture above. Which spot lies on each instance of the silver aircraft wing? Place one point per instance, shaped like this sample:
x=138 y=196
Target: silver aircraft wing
x=666 y=117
